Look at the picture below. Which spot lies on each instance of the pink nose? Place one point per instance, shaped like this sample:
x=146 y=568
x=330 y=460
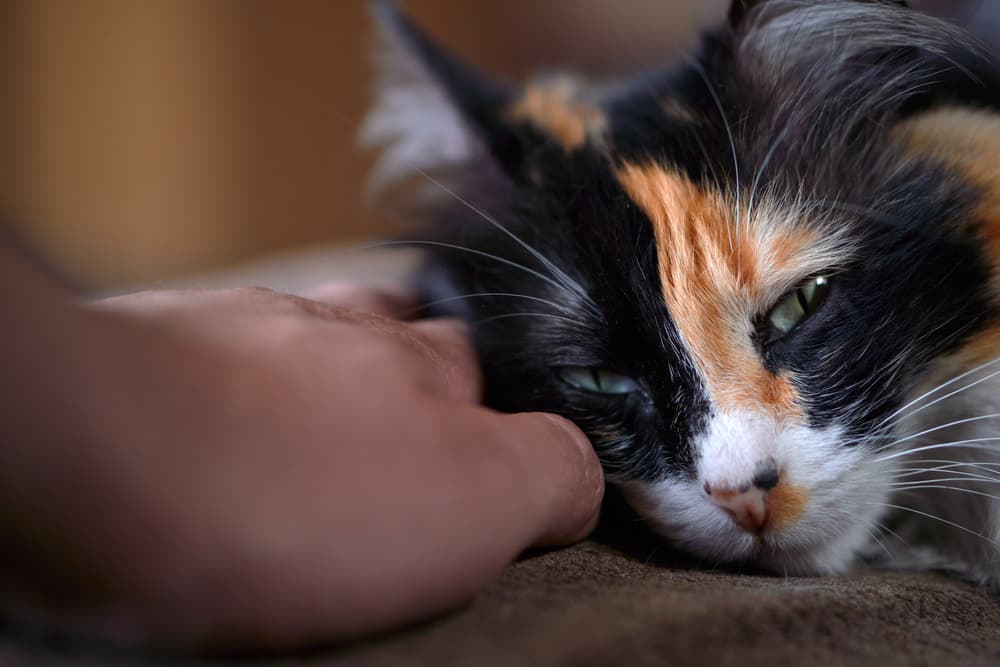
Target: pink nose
x=748 y=503
x=746 y=506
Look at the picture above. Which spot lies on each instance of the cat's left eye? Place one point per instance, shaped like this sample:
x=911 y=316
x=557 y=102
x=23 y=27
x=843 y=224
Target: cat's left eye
x=798 y=305
x=598 y=380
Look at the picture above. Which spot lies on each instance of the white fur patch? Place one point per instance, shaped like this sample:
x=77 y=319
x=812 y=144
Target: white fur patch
x=844 y=499
x=414 y=122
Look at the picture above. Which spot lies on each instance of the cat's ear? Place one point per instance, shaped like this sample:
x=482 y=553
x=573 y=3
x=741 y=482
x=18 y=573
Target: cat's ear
x=432 y=111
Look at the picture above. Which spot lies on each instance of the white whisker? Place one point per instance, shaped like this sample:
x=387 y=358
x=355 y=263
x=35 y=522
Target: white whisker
x=493 y=318
x=937 y=518
x=557 y=273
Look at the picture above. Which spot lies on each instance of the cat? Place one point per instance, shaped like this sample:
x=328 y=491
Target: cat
x=764 y=281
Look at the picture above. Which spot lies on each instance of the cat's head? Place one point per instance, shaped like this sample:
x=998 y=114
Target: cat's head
x=728 y=273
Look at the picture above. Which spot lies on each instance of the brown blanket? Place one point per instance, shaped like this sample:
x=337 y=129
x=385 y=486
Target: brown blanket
x=595 y=605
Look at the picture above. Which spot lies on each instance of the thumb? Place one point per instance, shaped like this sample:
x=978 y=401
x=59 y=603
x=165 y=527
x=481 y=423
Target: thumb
x=562 y=480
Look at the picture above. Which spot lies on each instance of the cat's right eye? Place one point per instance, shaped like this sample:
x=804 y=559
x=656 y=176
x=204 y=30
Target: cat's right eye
x=598 y=380
x=798 y=306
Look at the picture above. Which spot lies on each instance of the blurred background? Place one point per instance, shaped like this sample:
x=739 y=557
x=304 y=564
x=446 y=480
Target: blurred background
x=142 y=139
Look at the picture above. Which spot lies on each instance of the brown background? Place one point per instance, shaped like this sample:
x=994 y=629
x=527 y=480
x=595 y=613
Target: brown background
x=146 y=138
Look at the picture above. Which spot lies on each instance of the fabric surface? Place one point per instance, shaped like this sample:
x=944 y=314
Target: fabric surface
x=593 y=604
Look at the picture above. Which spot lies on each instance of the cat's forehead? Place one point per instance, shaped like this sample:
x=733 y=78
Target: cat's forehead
x=722 y=263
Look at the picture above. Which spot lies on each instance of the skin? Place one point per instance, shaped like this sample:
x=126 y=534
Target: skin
x=244 y=470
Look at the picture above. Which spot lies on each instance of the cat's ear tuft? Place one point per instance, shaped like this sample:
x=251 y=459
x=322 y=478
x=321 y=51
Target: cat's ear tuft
x=431 y=111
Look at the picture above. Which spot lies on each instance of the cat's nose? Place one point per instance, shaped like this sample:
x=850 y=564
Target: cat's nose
x=747 y=505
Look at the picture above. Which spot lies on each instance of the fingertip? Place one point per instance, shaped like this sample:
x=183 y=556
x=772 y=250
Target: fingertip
x=575 y=480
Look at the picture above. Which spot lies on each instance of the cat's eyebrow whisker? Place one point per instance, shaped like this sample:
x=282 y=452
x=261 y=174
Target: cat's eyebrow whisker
x=481 y=253
x=697 y=66
x=973 y=443
x=569 y=283
x=934 y=517
x=762 y=167
x=477 y=295
x=502 y=316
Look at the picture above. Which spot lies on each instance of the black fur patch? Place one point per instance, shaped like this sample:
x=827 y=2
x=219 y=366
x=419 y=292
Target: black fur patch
x=797 y=122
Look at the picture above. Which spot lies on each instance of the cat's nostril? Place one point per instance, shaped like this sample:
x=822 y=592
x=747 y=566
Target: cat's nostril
x=708 y=488
x=766 y=479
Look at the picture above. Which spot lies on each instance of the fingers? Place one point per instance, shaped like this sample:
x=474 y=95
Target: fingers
x=565 y=476
x=546 y=466
x=453 y=356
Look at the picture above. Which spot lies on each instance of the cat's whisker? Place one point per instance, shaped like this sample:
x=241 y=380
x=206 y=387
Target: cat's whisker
x=946 y=487
x=988 y=466
x=937 y=480
x=949 y=464
x=481 y=253
x=887 y=530
x=972 y=443
x=503 y=316
x=477 y=295
x=568 y=282
x=934 y=517
x=914 y=475
x=902 y=411
x=940 y=427
x=875 y=538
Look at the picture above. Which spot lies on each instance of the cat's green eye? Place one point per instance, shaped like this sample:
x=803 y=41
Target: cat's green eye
x=598 y=380
x=798 y=305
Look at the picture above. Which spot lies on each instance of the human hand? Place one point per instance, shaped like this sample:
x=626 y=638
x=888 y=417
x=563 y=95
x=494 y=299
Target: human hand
x=266 y=471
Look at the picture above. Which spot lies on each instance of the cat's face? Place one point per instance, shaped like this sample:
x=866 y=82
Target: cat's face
x=729 y=275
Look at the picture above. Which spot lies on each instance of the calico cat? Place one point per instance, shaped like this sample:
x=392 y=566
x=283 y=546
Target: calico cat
x=765 y=281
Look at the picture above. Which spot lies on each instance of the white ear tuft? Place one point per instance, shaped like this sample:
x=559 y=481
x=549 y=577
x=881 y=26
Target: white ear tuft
x=414 y=120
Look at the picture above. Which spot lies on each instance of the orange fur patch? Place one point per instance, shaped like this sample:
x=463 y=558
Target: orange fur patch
x=785 y=504
x=554 y=108
x=717 y=276
x=968 y=141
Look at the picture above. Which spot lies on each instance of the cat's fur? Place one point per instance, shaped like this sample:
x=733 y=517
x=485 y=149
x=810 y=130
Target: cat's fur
x=650 y=226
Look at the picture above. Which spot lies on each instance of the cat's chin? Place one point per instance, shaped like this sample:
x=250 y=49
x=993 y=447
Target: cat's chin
x=834 y=556
x=700 y=529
